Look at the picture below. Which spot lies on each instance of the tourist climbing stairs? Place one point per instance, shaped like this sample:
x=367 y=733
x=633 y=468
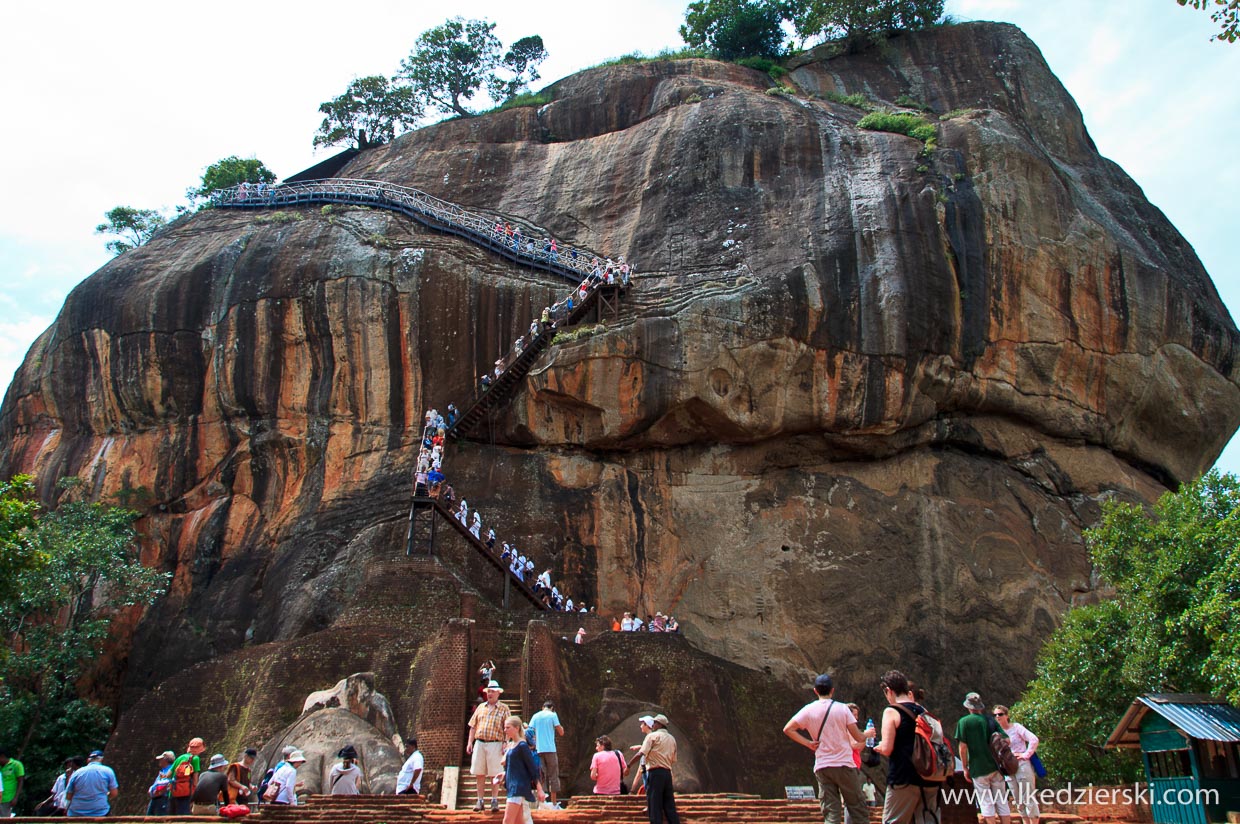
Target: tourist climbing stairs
x=426 y=515
x=506 y=383
x=467 y=786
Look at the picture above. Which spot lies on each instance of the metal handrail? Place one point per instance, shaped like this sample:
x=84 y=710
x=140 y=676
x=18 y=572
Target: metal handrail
x=419 y=205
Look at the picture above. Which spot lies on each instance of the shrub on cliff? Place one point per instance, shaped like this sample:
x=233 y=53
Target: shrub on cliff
x=229 y=172
x=1169 y=627
x=912 y=125
x=133 y=227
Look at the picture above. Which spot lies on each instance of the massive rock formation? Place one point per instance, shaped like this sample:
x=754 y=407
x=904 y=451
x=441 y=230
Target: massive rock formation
x=856 y=413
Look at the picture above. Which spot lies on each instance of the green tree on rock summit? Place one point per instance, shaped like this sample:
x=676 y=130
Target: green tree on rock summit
x=372 y=111
x=734 y=29
x=231 y=171
x=453 y=62
x=133 y=227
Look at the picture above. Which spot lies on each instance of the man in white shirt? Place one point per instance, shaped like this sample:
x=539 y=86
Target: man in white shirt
x=827 y=728
x=409 y=779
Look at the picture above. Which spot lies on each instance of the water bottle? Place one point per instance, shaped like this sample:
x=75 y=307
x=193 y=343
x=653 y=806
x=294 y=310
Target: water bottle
x=869 y=732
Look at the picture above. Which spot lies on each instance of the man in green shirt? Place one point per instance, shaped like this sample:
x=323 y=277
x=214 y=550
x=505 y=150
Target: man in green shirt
x=973 y=739
x=13 y=774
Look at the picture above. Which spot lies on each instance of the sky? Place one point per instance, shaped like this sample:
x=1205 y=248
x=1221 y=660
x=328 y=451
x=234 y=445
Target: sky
x=127 y=103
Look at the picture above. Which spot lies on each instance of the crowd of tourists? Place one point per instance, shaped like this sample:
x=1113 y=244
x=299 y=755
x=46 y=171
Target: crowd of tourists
x=523 y=760
x=632 y=622
x=998 y=755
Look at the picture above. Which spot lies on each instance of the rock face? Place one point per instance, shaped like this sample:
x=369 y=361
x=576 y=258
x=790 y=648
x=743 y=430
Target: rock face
x=320 y=734
x=357 y=695
x=855 y=414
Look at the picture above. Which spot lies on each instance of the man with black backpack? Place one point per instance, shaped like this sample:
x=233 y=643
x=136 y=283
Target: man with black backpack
x=828 y=729
x=973 y=737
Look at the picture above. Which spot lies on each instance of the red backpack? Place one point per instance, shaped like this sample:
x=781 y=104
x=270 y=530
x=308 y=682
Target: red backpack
x=183 y=786
x=932 y=753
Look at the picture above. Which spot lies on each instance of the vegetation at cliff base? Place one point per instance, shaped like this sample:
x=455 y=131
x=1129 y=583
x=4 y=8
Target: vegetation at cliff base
x=1224 y=12
x=1175 y=572
x=73 y=569
x=133 y=227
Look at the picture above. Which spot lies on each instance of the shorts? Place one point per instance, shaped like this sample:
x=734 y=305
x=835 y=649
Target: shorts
x=525 y=807
x=992 y=793
x=550 y=773
x=488 y=758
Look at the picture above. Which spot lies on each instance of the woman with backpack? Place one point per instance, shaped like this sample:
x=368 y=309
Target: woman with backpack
x=1024 y=783
x=910 y=799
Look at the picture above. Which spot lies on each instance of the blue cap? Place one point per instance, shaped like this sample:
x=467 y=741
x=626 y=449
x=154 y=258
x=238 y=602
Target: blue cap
x=96 y=753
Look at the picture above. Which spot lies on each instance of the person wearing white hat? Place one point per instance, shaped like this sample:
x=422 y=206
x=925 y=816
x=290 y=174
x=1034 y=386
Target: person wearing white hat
x=486 y=743
x=659 y=749
x=284 y=784
x=211 y=785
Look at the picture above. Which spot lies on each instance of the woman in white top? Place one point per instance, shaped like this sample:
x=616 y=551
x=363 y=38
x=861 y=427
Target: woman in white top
x=1024 y=784
x=346 y=777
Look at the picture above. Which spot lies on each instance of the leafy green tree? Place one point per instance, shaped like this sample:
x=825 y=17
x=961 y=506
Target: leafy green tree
x=734 y=29
x=861 y=22
x=229 y=172
x=1169 y=628
x=522 y=62
x=55 y=621
x=133 y=226
x=18 y=509
x=455 y=61
x=371 y=111
x=1225 y=12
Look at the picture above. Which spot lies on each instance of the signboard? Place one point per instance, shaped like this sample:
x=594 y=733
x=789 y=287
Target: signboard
x=801 y=793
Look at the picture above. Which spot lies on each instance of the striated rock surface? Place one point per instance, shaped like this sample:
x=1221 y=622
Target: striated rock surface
x=856 y=413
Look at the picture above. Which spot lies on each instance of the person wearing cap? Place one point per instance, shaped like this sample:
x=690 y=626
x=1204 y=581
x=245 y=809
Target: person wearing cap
x=345 y=778
x=409 y=780
x=161 y=787
x=828 y=729
x=284 y=784
x=659 y=750
x=185 y=771
x=240 y=775
x=210 y=788
x=486 y=743
x=91 y=789
x=546 y=726
x=973 y=740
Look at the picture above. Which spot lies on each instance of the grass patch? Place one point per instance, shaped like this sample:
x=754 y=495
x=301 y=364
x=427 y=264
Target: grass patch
x=525 y=100
x=694 y=98
x=914 y=126
x=279 y=217
x=904 y=101
x=763 y=64
x=378 y=241
x=782 y=91
x=857 y=101
x=687 y=53
x=954 y=113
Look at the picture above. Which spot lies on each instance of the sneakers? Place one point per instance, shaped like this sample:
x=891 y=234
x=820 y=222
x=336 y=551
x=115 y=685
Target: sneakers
x=478 y=806
x=494 y=805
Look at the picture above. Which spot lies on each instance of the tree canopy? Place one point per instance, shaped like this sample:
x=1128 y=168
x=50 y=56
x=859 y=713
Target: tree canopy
x=371 y=111
x=56 y=617
x=1224 y=12
x=229 y=172
x=133 y=227
x=734 y=29
x=860 y=22
x=1176 y=576
x=453 y=62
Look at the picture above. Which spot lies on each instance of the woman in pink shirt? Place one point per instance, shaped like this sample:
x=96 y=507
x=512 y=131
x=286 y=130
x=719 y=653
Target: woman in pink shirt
x=606 y=768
